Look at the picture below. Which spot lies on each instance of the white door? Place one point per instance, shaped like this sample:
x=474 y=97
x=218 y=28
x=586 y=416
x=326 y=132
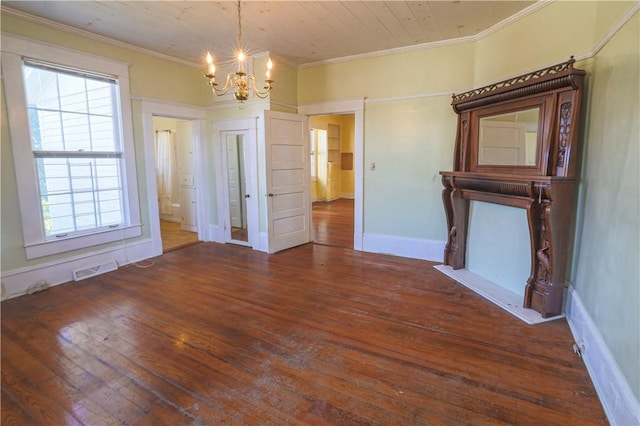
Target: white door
x=502 y=143
x=287 y=169
x=188 y=204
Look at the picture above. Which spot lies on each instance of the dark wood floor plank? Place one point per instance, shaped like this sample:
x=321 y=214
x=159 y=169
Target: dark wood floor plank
x=332 y=223
x=32 y=401
x=12 y=413
x=215 y=334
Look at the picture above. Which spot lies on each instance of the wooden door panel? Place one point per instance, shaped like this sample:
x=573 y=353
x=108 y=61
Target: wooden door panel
x=288 y=205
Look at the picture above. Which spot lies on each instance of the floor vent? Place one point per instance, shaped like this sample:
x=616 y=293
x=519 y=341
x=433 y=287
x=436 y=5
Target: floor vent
x=81 y=274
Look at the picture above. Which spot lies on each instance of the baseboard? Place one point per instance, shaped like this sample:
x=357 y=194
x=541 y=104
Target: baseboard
x=189 y=228
x=618 y=401
x=415 y=248
x=347 y=195
x=16 y=282
x=215 y=233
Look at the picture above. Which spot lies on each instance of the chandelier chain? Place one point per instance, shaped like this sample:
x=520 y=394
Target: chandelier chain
x=239 y=27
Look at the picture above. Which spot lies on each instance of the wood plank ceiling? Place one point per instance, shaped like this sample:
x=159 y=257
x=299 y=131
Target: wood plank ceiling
x=302 y=32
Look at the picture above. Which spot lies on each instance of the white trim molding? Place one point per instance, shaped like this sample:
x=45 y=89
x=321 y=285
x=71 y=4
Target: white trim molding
x=17 y=282
x=36 y=242
x=618 y=401
x=414 y=248
x=355 y=107
x=151 y=108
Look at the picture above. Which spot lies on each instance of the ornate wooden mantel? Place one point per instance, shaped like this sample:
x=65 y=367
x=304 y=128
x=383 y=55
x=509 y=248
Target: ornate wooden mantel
x=545 y=188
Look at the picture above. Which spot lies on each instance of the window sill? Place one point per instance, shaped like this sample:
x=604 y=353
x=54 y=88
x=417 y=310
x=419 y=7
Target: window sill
x=48 y=248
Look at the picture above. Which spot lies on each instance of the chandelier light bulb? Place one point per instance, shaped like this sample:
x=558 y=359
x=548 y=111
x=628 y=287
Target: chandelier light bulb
x=241 y=56
x=209 y=58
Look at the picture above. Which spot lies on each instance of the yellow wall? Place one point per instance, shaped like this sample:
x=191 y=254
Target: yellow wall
x=426 y=71
x=346 y=123
x=149 y=76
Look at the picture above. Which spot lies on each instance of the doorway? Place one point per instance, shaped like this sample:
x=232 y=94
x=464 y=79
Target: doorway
x=236 y=168
x=175 y=181
x=332 y=179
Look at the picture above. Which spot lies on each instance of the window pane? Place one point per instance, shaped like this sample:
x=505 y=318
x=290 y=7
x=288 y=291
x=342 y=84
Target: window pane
x=100 y=97
x=70 y=112
x=102 y=133
x=76 y=132
x=46 y=130
x=84 y=222
x=42 y=88
x=72 y=93
x=80 y=193
x=53 y=174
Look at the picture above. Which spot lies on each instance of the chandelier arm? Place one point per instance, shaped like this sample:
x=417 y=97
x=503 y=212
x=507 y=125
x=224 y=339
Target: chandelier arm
x=262 y=94
x=227 y=85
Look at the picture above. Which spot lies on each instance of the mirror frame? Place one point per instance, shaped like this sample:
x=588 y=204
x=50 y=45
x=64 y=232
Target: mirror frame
x=544 y=105
x=555 y=89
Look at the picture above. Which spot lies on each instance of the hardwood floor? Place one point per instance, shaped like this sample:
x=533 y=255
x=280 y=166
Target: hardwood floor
x=173 y=237
x=332 y=223
x=317 y=335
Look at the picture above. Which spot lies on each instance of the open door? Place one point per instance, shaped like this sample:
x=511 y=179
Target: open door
x=287 y=170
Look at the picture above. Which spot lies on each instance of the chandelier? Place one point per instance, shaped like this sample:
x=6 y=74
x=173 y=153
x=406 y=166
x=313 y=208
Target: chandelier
x=241 y=82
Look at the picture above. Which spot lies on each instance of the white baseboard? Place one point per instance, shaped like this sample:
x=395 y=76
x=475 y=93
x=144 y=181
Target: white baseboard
x=215 y=233
x=16 y=282
x=618 y=401
x=263 y=242
x=415 y=248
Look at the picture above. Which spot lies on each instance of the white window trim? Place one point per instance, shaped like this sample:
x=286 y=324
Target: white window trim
x=35 y=242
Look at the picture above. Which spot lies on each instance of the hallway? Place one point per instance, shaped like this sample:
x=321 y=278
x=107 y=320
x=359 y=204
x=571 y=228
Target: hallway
x=173 y=237
x=332 y=223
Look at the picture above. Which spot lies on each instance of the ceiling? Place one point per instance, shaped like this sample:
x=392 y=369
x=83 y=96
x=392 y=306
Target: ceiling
x=301 y=32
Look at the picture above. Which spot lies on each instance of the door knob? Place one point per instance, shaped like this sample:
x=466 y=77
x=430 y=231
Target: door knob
x=270 y=194
x=247 y=196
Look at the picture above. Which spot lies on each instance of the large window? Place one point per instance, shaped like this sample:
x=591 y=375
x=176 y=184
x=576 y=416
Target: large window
x=72 y=138
x=73 y=122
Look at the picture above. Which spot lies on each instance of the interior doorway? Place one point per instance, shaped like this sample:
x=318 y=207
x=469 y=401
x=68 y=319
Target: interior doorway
x=332 y=180
x=176 y=183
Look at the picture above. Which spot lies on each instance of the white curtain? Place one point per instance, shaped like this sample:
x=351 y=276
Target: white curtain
x=165 y=168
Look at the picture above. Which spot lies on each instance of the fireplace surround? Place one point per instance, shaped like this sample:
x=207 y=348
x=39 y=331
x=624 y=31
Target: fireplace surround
x=517 y=144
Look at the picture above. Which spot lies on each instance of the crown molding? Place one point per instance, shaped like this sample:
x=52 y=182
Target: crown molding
x=432 y=45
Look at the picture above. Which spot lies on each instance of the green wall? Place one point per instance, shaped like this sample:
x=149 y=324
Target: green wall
x=410 y=130
x=607 y=254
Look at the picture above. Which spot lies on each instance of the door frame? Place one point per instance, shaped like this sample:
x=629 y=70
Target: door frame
x=248 y=127
x=355 y=107
x=150 y=109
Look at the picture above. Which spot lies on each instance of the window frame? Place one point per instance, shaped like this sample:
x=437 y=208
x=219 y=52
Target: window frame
x=36 y=243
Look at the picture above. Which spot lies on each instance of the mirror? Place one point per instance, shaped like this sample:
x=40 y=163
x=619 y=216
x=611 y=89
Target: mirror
x=509 y=139
x=236 y=187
